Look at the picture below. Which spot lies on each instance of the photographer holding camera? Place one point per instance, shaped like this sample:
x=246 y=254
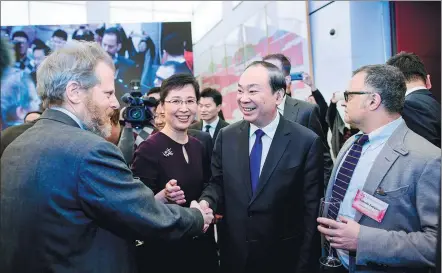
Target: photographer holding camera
x=137 y=119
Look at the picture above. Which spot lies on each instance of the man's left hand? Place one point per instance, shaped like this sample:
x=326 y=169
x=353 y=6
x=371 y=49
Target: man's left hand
x=341 y=235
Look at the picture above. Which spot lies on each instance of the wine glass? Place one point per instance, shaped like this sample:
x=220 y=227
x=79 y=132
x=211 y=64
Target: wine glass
x=330 y=260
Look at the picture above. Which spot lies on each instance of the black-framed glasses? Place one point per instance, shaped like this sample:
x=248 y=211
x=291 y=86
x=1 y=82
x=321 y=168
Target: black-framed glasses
x=346 y=93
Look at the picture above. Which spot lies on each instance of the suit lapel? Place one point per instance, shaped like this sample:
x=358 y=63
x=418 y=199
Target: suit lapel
x=386 y=158
x=243 y=158
x=217 y=128
x=276 y=150
x=290 y=109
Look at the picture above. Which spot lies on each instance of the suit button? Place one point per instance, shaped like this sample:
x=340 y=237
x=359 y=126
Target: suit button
x=249 y=214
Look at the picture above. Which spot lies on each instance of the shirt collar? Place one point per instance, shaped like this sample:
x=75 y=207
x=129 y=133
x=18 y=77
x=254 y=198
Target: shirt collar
x=381 y=134
x=411 y=90
x=282 y=105
x=70 y=114
x=269 y=130
x=213 y=124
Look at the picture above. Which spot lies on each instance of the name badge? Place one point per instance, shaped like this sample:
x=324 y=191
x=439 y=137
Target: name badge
x=370 y=206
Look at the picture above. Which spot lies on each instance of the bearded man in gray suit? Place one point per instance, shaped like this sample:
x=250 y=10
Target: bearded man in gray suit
x=69 y=202
x=385 y=162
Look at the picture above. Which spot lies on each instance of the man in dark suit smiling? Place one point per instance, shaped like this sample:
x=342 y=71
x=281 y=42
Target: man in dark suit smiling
x=267 y=172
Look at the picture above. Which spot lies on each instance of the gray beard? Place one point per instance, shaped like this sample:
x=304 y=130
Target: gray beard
x=101 y=130
x=96 y=125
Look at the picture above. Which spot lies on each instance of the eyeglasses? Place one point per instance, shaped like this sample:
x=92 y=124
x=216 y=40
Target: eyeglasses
x=346 y=93
x=178 y=102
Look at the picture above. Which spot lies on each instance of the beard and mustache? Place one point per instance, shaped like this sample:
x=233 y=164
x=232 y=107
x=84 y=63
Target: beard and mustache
x=96 y=121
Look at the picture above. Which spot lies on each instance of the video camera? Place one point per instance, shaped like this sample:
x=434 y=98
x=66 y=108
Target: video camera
x=138 y=112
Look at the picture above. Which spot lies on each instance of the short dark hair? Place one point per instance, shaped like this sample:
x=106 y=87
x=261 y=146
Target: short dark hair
x=45 y=49
x=173 y=44
x=179 y=68
x=38 y=42
x=32 y=112
x=113 y=31
x=285 y=62
x=60 y=34
x=276 y=76
x=389 y=82
x=100 y=31
x=410 y=64
x=154 y=90
x=178 y=81
x=20 y=33
x=83 y=34
x=212 y=93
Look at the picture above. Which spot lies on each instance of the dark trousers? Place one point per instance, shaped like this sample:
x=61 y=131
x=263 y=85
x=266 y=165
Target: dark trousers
x=198 y=255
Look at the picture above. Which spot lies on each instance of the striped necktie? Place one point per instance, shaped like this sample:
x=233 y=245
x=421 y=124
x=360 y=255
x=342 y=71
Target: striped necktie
x=343 y=178
x=345 y=173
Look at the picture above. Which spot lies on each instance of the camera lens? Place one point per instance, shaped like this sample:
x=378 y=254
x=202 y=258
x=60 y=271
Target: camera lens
x=135 y=113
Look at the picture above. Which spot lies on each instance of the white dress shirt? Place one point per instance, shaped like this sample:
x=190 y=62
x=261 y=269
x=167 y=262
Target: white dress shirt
x=370 y=151
x=269 y=133
x=411 y=90
x=212 y=126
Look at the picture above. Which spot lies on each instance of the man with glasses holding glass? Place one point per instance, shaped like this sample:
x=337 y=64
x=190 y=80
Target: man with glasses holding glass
x=387 y=181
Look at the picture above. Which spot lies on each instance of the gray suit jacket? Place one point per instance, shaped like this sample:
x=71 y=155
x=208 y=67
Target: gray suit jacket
x=408 y=170
x=69 y=203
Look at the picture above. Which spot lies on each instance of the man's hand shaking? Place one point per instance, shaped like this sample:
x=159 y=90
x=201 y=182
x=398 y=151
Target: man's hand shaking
x=205 y=211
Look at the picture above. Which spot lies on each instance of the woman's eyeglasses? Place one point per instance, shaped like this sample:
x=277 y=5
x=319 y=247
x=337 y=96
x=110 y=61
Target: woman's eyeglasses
x=178 y=102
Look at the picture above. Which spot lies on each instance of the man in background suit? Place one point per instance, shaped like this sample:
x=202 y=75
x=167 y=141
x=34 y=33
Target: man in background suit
x=210 y=105
x=126 y=70
x=11 y=133
x=391 y=163
x=267 y=172
x=421 y=110
x=301 y=112
x=69 y=202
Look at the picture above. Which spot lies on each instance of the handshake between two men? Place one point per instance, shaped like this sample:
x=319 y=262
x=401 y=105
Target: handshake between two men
x=172 y=193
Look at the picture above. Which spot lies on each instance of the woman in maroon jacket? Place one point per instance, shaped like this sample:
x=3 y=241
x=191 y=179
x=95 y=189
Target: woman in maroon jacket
x=172 y=156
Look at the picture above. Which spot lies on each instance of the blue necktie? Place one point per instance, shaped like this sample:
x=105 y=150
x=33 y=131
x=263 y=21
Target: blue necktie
x=344 y=176
x=207 y=128
x=255 y=159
